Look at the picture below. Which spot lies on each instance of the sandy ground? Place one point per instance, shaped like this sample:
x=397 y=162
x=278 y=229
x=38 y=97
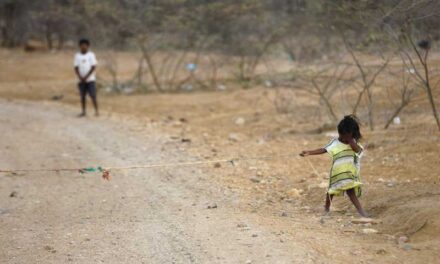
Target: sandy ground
x=145 y=216
x=268 y=211
x=148 y=216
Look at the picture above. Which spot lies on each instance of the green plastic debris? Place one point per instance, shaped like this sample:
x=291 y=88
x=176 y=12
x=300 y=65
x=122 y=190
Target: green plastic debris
x=91 y=169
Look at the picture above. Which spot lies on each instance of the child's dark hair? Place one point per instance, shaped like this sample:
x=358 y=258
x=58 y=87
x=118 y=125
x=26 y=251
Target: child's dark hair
x=84 y=41
x=350 y=125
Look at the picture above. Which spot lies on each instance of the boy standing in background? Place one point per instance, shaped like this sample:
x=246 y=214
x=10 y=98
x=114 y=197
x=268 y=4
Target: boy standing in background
x=85 y=68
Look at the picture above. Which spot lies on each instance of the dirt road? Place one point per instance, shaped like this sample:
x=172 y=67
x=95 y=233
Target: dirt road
x=145 y=216
x=154 y=215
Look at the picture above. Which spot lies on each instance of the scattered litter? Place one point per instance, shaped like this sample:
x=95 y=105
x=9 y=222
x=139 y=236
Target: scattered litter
x=212 y=206
x=406 y=246
x=243 y=226
x=402 y=240
x=185 y=140
x=411 y=70
x=268 y=83
x=221 y=87
x=261 y=141
x=106 y=175
x=57 y=97
x=13 y=194
x=365 y=220
x=369 y=231
x=255 y=179
x=191 y=67
x=90 y=169
x=187 y=87
x=381 y=251
x=294 y=193
x=239 y=121
x=128 y=90
x=391 y=184
x=234 y=137
x=50 y=249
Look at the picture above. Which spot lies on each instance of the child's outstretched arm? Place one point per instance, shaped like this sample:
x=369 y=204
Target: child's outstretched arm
x=312 y=152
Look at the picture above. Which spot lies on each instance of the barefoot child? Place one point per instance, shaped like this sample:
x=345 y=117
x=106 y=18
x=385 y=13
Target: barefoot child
x=345 y=152
x=85 y=68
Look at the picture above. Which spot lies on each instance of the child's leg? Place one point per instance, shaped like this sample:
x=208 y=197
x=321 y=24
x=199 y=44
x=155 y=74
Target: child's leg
x=82 y=92
x=92 y=93
x=356 y=202
x=328 y=201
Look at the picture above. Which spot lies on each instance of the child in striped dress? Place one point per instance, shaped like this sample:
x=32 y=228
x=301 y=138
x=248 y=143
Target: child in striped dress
x=346 y=153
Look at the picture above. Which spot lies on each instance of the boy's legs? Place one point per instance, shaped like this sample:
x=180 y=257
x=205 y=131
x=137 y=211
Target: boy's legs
x=92 y=92
x=82 y=92
x=353 y=198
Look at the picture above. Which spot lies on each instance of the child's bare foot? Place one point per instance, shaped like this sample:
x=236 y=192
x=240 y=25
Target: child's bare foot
x=82 y=115
x=365 y=214
x=96 y=113
x=326 y=213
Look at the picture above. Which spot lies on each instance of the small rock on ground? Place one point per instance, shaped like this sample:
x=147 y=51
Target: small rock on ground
x=255 y=179
x=212 y=206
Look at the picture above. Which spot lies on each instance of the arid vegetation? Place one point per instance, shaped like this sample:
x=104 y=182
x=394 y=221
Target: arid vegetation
x=341 y=49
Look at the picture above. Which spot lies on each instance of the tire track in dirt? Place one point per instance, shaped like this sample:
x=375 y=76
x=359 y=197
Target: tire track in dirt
x=139 y=217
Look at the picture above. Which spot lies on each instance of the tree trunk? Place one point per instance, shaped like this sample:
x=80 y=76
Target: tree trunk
x=177 y=66
x=213 y=80
x=60 y=41
x=429 y=91
x=140 y=75
x=432 y=103
x=49 y=38
x=358 y=101
x=150 y=67
x=424 y=61
x=10 y=14
x=326 y=101
x=370 y=109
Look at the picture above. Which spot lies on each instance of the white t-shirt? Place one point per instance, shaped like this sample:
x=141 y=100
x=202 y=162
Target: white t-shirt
x=84 y=62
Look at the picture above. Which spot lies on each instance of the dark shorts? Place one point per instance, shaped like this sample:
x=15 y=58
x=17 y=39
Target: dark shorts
x=87 y=88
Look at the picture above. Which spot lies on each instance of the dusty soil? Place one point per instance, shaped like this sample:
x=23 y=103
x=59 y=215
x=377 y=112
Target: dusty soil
x=268 y=211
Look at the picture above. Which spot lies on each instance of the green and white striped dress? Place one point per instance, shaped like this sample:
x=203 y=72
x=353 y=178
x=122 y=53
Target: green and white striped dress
x=344 y=174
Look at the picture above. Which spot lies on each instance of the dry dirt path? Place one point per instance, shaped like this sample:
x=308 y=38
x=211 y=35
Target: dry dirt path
x=144 y=216
x=147 y=216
